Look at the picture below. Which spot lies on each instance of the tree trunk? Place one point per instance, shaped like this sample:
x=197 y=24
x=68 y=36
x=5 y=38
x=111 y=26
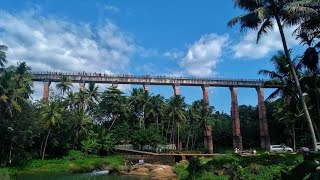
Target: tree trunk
x=294 y=138
x=195 y=140
x=192 y=138
x=114 y=118
x=157 y=119
x=178 y=138
x=41 y=147
x=296 y=80
x=45 y=145
x=75 y=140
x=10 y=153
x=316 y=130
x=317 y=102
x=187 y=144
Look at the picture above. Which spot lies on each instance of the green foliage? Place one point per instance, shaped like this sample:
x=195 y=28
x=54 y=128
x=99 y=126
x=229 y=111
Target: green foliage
x=148 y=136
x=74 y=154
x=307 y=169
x=5 y=174
x=194 y=167
x=90 y=146
x=181 y=169
x=81 y=165
x=230 y=166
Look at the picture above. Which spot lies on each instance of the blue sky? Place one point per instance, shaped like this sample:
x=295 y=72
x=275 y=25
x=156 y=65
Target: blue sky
x=172 y=38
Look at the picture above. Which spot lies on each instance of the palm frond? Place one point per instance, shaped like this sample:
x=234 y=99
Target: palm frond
x=266 y=25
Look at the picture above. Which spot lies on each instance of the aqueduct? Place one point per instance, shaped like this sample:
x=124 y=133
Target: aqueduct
x=176 y=82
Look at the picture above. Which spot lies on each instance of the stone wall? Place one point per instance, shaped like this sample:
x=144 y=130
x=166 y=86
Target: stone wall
x=152 y=159
x=134 y=157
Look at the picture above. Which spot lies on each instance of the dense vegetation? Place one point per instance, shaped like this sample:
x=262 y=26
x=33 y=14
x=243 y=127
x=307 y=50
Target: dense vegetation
x=93 y=120
x=231 y=166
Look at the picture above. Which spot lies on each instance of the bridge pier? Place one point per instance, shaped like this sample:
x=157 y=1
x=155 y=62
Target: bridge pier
x=237 y=138
x=263 y=124
x=205 y=90
x=176 y=89
x=207 y=136
x=146 y=88
x=46 y=86
x=82 y=86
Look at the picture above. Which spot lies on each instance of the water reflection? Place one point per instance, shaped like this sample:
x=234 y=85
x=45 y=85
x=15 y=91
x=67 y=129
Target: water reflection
x=87 y=176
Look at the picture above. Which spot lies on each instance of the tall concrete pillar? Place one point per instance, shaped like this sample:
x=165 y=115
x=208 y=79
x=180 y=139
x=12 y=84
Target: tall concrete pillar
x=146 y=88
x=237 y=139
x=82 y=86
x=263 y=124
x=207 y=135
x=205 y=90
x=46 y=85
x=209 y=139
x=176 y=89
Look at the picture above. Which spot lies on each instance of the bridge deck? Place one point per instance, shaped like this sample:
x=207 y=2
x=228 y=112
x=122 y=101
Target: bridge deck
x=150 y=80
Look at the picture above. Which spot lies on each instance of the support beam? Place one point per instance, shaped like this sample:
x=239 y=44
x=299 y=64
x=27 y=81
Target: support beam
x=46 y=85
x=209 y=139
x=176 y=89
x=82 y=86
x=146 y=88
x=207 y=136
x=205 y=90
x=263 y=124
x=237 y=139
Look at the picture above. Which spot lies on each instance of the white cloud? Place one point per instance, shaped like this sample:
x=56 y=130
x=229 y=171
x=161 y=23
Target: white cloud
x=111 y=8
x=51 y=44
x=174 y=54
x=271 y=42
x=203 y=56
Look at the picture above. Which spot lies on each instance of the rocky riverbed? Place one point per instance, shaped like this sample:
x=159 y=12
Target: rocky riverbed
x=153 y=171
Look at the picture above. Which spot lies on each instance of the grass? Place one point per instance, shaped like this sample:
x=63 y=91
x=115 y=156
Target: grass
x=5 y=173
x=74 y=163
x=231 y=166
x=82 y=165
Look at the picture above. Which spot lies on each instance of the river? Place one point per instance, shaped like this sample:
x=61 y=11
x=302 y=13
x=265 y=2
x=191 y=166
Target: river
x=63 y=176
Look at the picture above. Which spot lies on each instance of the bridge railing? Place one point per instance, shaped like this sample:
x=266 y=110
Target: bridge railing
x=95 y=74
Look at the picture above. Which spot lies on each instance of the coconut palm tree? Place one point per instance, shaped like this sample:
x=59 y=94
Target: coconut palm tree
x=83 y=120
x=15 y=88
x=70 y=101
x=64 y=84
x=81 y=100
x=281 y=75
x=139 y=100
x=176 y=113
x=3 y=57
x=23 y=78
x=155 y=109
x=310 y=60
x=112 y=104
x=203 y=114
x=51 y=114
x=193 y=123
x=93 y=93
x=263 y=15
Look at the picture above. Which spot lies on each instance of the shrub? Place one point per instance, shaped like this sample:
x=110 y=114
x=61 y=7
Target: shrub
x=74 y=154
x=194 y=166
